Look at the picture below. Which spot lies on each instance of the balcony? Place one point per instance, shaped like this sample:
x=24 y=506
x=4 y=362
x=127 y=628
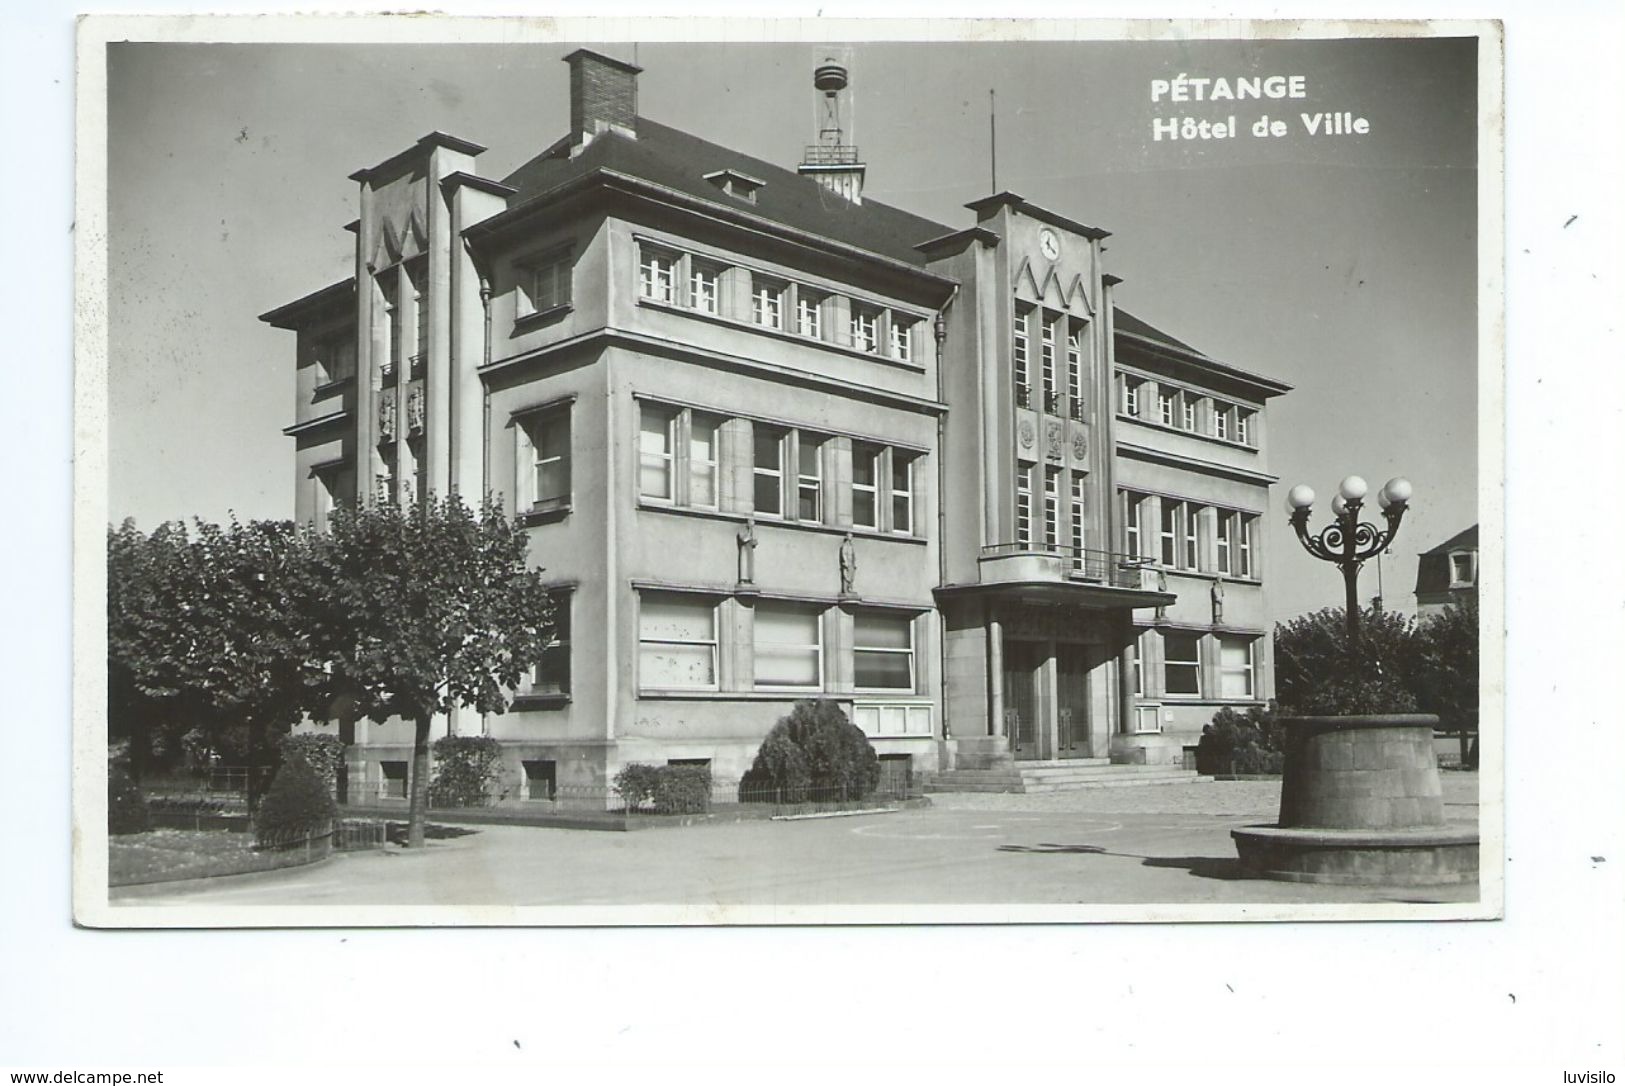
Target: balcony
x=1051 y=573
x=1052 y=402
x=1044 y=561
x=1024 y=395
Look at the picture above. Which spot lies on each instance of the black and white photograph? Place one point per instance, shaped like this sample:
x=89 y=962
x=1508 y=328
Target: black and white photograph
x=813 y=544
x=796 y=481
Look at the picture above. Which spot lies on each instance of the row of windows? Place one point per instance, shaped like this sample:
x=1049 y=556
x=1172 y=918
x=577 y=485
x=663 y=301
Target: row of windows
x=1189 y=535
x=678 y=643
x=1048 y=519
x=1185 y=409
x=1050 y=328
x=1183 y=676
x=672 y=277
x=793 y=471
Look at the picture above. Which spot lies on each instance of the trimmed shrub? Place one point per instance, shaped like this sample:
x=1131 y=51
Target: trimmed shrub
x=126 y=806
x=466 y=769
x=1248 y=743
x=324 y=754
x=635 y=784
x=297 y=805
x=815 y=750
x=682 y=789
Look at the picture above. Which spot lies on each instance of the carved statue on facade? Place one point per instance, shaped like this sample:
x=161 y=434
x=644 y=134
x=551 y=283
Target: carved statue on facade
x=1162 y=586
x=1218 y=599
x=414 y=410
x=747 y=552
x=386 y=418
x=849 y=565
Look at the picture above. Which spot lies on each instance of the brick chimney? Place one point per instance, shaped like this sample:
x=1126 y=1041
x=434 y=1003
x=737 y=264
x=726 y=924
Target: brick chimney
x=603 y=96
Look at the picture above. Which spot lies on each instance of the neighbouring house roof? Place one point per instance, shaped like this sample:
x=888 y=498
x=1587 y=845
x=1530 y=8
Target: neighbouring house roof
x=1433 y=567
x=298 y=312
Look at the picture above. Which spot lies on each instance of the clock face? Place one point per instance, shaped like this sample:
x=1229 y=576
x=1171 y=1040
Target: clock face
x=1049 y=244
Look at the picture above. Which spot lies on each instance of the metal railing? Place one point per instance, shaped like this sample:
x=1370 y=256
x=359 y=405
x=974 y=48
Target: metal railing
x=1074 y=408
x=1081 y=563
x=1024 y=395
x=724 y=795
x=830 y=154
x=1052 y=402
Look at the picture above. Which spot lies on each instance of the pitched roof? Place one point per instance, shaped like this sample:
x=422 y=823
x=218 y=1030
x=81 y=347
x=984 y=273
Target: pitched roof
x=1134 y=326
x=677 y=160
x=1464 y=540
x=1433 y=567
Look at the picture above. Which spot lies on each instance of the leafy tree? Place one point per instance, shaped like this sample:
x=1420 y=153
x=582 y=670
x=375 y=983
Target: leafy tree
x=1317 y=674
x=207 y=644
x=421 y=610
x=1446 y=677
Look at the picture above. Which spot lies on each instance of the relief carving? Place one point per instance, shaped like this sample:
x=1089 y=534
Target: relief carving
x=1026 y=433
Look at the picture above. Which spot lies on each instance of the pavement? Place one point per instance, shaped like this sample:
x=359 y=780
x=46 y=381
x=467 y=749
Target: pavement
x=1150 y=845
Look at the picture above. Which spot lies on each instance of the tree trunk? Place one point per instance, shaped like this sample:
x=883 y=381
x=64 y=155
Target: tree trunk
x=419 y=784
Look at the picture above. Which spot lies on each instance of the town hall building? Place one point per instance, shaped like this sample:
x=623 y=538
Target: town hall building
x=773 y=440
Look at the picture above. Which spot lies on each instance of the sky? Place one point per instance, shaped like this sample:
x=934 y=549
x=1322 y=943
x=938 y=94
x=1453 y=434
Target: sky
x=1343 y=265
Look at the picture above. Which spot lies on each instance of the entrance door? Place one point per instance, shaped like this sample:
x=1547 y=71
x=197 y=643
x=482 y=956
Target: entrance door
x=1072 y=691
x=1021 y=663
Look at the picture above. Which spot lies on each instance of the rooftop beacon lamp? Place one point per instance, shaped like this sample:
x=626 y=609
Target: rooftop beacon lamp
x=1361 y=802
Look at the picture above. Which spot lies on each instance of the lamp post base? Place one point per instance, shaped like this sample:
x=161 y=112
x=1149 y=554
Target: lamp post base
x=1415 y=857
x=1361 y=804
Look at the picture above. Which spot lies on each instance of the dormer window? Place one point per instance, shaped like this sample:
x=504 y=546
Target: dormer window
x=740 y=186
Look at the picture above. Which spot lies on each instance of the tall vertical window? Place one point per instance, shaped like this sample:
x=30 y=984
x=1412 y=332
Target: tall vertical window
x=1246 y=526
x=768 y=469
x=1187 y=412
x=657 y=274
x=1139 y=666
x=703 y=284
x=902 y=334
x=392 y=325
x=1167 y=404
x=865 y=328
x=544 y=459
x=1223 y=540
x=1244 y=425
x=702 y=459
x=1129 y=394
x=882 y=651
x=553 y=671
x=1024 y=505
x=1235 y=667
x=1170 y=532
x=1052 y=508
x=677 y=641
x=809 y=478
x=767 y=302
x=335 y=358
x=1181 y=664
x=1018 y=355
x=1074 y=370
x=1188 y=517
x=1077 y=520
x=809 y=320
x=547 y=282
x=657 y=434
x=789 y=648
x=865 y=485
x=1133 y=529
x=1222 y=426
x=1046 y=361
x=902 y=493
x=420 y=318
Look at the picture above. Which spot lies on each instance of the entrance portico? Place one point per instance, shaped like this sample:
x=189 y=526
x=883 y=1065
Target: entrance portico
x=1053 y=653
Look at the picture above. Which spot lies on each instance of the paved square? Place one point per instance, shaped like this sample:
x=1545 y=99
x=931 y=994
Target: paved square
x=1166 y=844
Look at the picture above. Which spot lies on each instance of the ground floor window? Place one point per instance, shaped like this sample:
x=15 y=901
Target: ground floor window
x=1236 y=667
x=392 y=780
x=1182 y=664
x=553 y=672
x=677 y=641
x=789 y=648
x=883 y=652
x=541 y=778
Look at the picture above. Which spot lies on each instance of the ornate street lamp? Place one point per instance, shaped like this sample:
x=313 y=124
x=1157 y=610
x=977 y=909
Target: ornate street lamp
x=1348 y=541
